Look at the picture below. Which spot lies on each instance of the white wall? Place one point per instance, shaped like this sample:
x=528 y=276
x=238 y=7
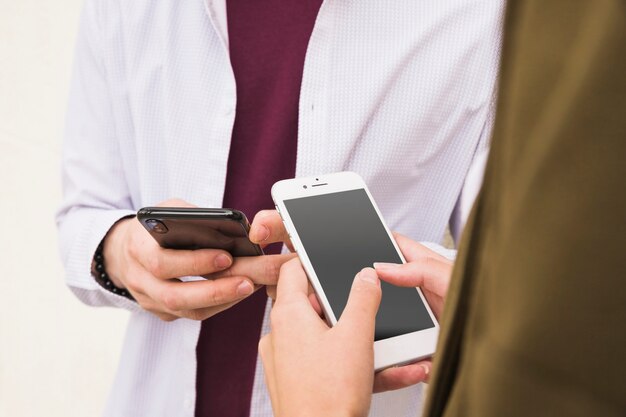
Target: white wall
x=57 y=356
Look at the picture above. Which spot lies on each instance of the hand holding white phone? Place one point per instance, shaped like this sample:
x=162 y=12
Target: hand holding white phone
x=337 y=230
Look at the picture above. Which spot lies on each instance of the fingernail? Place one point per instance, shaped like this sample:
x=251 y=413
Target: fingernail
x=426 y=369
x=383 y=265
x=245 y=288
x=263 y=233
x=368 y=275
x=223 y=261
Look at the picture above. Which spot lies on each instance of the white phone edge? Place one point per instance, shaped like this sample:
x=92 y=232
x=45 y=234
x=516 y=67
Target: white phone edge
x=395 y=351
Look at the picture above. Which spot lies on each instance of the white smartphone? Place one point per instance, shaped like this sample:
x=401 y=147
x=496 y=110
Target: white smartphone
x=337 y=230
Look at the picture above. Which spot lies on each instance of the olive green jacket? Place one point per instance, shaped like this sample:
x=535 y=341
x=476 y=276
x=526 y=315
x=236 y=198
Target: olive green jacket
x=535 y=323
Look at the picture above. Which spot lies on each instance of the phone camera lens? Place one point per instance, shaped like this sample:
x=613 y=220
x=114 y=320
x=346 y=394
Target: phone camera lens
x=156 y=226
x=305 y=187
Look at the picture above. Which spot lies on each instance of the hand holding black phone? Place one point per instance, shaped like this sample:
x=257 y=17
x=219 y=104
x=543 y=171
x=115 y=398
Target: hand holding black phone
x=199 y=228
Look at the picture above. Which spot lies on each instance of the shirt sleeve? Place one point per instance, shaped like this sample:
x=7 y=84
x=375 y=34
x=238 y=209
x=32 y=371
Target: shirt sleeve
x=95 y=192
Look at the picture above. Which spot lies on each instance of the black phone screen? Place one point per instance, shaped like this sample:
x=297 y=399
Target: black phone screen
x=342 y=234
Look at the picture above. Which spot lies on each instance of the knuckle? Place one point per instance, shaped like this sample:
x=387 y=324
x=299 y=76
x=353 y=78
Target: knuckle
x=133 y=248
x=144 y=302
x=147 y=304
x=195 y=265
x=155 y=266
x=162 y=315
x=170 y=300
x=215 y=294
x=194 y=315
x=167 y=317
x=132 y=283
x=272 y=268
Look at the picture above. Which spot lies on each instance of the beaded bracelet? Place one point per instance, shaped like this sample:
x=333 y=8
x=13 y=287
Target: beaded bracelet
x=103 y=278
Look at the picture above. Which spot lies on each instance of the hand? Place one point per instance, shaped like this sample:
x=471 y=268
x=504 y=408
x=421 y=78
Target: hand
x=314 y=370
x=429 y=271
x=268 y=227
x=424 y=268
x=135 y=261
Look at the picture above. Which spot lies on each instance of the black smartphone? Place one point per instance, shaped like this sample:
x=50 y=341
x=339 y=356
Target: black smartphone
x=199 y=228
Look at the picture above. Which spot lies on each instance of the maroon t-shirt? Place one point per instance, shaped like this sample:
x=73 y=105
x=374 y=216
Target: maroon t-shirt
x=268 y=41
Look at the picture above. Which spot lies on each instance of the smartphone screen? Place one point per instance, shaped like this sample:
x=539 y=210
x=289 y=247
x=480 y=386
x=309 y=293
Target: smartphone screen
x=342 y=234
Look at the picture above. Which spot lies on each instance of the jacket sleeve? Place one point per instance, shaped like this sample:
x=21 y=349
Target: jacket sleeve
x=95 y=191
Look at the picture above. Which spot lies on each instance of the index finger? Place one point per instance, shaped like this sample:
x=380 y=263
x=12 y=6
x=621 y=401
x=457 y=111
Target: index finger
x=176 y=263
x=262 y=269
x=413 y=250
x=429 y=273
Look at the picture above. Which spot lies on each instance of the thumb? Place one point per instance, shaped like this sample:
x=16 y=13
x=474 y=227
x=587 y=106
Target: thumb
x=363 y=302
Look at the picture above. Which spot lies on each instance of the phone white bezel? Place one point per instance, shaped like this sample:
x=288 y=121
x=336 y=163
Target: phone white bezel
x=394 y=351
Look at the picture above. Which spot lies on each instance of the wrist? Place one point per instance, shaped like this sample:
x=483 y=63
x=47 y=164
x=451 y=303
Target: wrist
x=106 y=261
x=111 y=251
x=102 y=277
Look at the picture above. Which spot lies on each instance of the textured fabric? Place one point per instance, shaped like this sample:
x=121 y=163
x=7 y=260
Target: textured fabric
x=399 y=92
x=267 y=45
x=534 y=321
